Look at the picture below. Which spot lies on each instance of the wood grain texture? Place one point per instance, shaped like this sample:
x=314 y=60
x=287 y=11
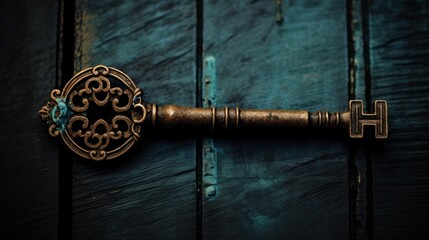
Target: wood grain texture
x=28 y=165
x=359 y=173
x=149 y=194
x=399 y=50
x=279 y=188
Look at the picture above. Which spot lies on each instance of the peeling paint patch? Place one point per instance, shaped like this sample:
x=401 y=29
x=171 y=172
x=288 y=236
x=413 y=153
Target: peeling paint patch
x=209 y=168
x=209 y=82
x=209 y=151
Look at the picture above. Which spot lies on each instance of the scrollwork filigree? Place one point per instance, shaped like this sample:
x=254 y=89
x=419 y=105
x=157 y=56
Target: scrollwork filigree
x=67 y=113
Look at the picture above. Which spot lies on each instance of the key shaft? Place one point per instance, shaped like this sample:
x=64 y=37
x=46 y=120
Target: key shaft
x=224 y=119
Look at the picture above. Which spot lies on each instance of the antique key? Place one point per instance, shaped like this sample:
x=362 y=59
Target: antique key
x=100 y=114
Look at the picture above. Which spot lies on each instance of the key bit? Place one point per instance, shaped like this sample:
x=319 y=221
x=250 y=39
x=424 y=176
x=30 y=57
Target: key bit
x=100 y=114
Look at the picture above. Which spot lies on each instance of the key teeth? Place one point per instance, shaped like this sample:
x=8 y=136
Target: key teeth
x=377 y=118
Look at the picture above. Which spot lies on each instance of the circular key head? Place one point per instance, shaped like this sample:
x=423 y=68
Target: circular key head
x=98 y=113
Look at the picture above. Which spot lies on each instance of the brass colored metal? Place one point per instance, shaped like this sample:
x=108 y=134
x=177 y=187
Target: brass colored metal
x=360 y=119
x=100 y=113
x=69 y=113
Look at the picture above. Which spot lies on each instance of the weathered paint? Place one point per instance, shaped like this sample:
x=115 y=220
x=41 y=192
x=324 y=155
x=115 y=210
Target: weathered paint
x=209 y=170
x=85 y=35
x=279 y=187
x=149 y=193
x=209 y=82
x=398 y=39
x=357 y=88
x=270 y=188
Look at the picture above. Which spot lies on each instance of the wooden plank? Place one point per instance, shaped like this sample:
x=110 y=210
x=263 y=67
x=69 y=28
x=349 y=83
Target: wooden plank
x=28 y=166
x=150 y=194
x=279 y=188
x=399 y=50
x=358 y=170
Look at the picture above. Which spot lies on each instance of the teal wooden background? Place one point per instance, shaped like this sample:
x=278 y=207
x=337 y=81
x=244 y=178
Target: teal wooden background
x=267 y=187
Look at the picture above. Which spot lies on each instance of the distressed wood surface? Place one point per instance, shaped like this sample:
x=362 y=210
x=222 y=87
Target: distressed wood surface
x=28 y=165
x=359 y=173
x=399 y=51
x=266 y=187
x=150 y=193
x=279 y=188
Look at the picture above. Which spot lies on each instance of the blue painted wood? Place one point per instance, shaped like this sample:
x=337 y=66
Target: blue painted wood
x=268 y=188
x=279 y=188
x=28 y=156
x=399 y=51
x=149 y=194
x=209 y=151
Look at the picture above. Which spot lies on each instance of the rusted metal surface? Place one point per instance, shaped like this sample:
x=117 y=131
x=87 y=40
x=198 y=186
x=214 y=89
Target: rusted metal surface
x=100 y=112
